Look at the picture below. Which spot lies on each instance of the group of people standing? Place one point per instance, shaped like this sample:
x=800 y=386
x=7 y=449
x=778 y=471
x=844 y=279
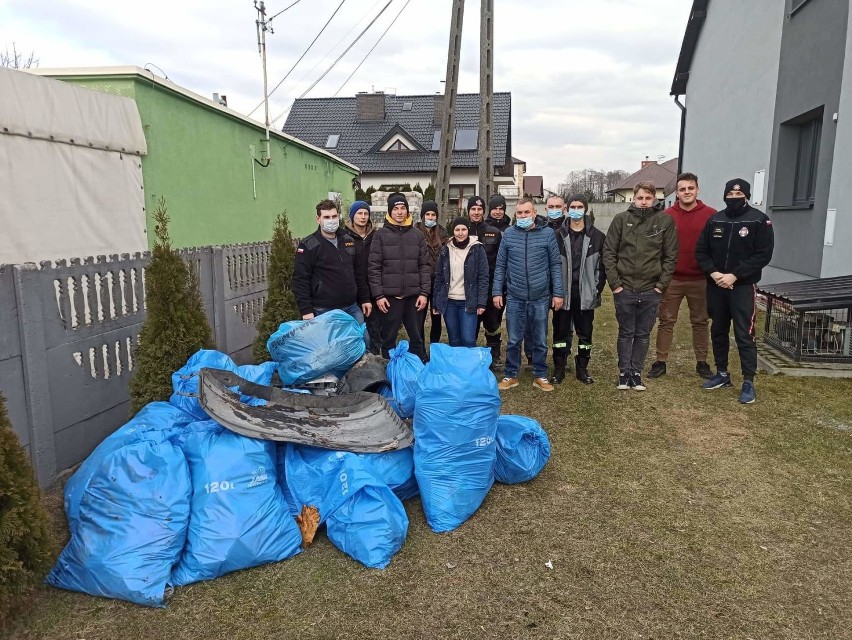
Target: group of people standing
x=490 y=265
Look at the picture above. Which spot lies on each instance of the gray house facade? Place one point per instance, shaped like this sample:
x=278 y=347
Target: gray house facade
x=763 y=85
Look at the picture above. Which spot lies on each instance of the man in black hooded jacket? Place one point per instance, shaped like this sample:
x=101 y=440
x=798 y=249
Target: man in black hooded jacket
x=490 y=237
x=732 y=250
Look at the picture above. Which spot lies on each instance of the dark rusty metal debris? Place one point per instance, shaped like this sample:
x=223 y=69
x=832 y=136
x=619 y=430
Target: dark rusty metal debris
x=360 y=422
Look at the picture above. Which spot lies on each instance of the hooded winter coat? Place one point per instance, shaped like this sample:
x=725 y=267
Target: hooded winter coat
x=475 y=278
x=399 y=265
x=640 y=250
x=592 y=274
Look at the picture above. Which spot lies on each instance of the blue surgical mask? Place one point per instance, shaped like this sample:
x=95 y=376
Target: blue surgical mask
x=553 y=214
x=524 y=223
x=576 y=214
x=430 y=223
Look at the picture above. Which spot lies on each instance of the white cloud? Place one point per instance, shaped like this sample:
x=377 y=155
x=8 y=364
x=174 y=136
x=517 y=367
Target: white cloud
x=589 y=80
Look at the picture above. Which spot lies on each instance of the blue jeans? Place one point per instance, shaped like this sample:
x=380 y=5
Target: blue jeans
x=461 y=325
x=353 y=310
x=519 y=314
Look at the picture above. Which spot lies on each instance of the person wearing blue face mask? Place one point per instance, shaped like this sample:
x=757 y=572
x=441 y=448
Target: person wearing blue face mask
x=327 y=273
x=554 y=217
x=529 y=270
x=580 y=245
x=436 y=237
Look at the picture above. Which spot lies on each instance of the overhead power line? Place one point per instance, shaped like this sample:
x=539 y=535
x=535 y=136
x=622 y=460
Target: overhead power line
x=280 y=82
x=327 y=71
x=283 y=10
x=333 y=64
x=371 y=50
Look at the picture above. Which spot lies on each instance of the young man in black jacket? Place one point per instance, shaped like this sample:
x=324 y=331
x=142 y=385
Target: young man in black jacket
x=326 y=274
x=734 y=247
x=400 y=276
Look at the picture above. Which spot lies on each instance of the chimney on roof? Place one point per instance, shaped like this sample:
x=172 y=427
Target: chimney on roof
x=370 y=107
x=646 y=162
x=438 y=117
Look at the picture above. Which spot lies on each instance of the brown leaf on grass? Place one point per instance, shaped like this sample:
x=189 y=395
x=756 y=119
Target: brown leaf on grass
x=308 y=522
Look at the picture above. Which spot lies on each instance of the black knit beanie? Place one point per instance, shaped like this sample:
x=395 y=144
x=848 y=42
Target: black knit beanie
x=475 y=201
x=459 y=221
x=429 y=205
x=738 y=184
x=496 y=201
x=577 y=197
x=396 y=198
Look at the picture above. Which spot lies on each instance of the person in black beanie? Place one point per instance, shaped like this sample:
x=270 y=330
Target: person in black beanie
x=400 y=276
x=436 y=237
x=497 y=216
x=734 y=247
x=490 y=238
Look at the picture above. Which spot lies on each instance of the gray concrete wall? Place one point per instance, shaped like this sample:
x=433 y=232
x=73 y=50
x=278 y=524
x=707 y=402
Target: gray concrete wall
x=730 y=96
x=810 y=75
x=837 y=258
x=69 y=333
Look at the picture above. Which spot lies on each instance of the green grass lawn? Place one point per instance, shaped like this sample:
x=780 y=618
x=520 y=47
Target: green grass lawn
x=674 y=513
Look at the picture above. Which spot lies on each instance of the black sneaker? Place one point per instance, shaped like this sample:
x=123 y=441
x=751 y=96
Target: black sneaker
x=657 y=369
x=636 y=382
x=703 y=369
x=625 y=380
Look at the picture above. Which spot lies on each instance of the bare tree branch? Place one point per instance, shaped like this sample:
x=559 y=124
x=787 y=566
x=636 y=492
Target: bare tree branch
x=16 y=59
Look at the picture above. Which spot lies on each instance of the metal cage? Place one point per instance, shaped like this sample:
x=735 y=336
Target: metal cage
x=811 y=321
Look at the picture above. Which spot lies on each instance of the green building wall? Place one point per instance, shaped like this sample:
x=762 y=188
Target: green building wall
x=202 y=160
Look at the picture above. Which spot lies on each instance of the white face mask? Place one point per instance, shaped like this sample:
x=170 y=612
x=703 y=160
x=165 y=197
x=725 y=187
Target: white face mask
x=331 y=226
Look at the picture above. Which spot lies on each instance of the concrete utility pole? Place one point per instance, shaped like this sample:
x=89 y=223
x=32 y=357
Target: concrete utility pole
x=486 y=98
x=445 y=154
x=262 y=27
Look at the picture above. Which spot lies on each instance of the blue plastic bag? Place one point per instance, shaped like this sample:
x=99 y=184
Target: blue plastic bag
x=154 y=417
x=185 y=380
x=523 y=449
x=239 y=517
x=131 y=523
x=281 y=466
x=403 y=370
x=309 y=349
x=364 y=518
x=395 y=469
x=455 y=423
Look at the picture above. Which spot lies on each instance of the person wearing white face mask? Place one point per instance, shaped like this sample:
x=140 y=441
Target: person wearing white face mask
x=580 y=245
x=325 y=274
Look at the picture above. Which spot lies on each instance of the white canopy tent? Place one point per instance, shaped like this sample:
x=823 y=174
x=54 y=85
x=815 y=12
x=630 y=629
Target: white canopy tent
x=70 y=171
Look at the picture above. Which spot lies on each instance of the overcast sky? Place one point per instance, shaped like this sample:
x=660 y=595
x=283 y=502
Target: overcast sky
x=589 y=79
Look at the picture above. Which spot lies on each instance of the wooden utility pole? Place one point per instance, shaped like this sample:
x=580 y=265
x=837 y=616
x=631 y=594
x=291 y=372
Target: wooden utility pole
x=486 y=98
x=445 y=154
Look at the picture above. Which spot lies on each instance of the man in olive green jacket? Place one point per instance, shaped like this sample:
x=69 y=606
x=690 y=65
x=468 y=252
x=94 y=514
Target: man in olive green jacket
x=639 y=255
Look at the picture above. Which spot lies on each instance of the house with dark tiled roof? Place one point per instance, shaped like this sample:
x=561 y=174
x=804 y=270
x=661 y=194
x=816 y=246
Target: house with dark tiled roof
x=395 y=139
x=662 y=174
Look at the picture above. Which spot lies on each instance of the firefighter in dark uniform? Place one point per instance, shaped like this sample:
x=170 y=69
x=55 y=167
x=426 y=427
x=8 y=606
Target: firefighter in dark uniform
x=734 y=247
x=489 y=237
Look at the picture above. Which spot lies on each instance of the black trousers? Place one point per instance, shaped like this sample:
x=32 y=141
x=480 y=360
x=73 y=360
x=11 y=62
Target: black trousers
x=402 y=312
x=565 y=323
x=374 y=329
x=733 y=305
x=492 y=319
x=435 y=330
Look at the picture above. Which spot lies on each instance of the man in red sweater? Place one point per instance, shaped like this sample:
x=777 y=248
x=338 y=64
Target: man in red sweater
x=690 y=216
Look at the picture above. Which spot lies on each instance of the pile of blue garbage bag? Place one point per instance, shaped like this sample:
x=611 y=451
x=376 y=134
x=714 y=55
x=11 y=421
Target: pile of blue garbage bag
x=172 y=497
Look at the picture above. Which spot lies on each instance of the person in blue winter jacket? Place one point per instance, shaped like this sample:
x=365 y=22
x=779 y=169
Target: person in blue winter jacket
x=461 y=284
x=529 y=269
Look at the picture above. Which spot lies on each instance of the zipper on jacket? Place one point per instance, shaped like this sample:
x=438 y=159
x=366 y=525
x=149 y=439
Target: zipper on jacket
x=526 y=271
x=728 y=252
